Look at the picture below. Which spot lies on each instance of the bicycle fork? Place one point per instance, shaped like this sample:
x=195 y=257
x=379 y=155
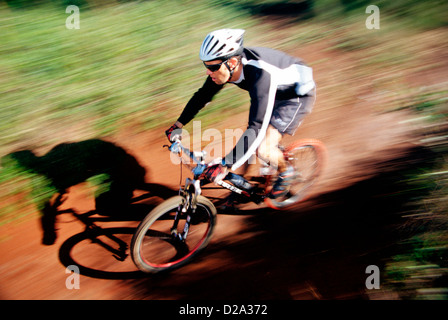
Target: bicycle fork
x=181 y=210
x=188 y=208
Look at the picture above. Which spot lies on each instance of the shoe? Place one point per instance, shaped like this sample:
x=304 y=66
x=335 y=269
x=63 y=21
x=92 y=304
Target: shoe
x=228 y=207
x=281 y=185
x=239 y=182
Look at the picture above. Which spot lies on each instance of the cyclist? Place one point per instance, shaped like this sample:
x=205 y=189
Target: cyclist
x=282 y=93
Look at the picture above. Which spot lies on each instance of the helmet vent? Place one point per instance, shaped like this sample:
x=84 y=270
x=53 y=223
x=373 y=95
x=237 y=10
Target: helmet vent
x=220 y=49
x=222 y=44
x=211 y=38
x=213 y=47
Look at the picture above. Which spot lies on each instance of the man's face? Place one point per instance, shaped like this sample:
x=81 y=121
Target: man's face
x=219 y=76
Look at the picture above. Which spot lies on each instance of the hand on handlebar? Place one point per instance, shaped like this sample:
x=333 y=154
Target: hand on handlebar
x=174 y=133
x=216 y=172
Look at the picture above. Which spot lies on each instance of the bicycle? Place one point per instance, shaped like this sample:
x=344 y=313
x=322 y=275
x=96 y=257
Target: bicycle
x=179 y=228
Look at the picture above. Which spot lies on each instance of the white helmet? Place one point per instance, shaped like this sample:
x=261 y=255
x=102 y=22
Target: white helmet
x=222 y=44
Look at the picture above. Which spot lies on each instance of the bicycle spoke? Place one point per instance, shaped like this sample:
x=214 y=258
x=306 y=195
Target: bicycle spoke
x=158 y=234
x=161 y=247
x=306 y=156
x=181 y=250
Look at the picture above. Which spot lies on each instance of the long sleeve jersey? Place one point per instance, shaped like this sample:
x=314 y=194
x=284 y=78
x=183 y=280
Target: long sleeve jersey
x=268 y=75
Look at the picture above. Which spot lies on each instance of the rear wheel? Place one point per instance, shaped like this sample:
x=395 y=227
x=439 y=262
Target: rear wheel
x=308 y=158
x=157 y=245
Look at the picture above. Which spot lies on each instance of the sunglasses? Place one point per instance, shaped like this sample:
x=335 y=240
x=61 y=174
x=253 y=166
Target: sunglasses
x=214 y=67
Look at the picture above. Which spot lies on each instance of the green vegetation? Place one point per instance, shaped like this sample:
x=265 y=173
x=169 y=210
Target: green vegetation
x=128 y=65
x=134 y=63
x=420 y=270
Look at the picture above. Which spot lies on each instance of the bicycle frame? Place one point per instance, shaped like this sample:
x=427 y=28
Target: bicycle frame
x=158 y=245
x=198 y=179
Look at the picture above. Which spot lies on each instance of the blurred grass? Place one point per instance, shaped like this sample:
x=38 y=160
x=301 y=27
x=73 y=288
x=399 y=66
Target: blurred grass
x=134 y=63
x=420 y=270
x=128 y=65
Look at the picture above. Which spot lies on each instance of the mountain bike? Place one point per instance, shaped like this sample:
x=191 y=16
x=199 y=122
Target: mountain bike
x=181 y=227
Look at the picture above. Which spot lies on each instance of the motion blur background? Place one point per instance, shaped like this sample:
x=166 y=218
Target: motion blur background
x=132 y=66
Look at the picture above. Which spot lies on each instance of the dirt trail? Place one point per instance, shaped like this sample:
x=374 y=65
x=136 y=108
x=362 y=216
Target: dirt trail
x=32 y=271
x=317 y=250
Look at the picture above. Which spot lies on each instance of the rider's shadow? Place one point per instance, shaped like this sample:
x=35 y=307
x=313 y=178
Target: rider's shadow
x=118 y=174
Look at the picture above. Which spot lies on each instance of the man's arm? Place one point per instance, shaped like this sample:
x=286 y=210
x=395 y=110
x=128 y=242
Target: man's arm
x=198 y=101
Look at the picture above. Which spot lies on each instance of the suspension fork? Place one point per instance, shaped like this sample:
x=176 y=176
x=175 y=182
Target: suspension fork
x=187 y=207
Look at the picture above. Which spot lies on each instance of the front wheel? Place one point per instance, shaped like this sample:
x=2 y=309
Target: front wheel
x=308 y=157
x=157 y=244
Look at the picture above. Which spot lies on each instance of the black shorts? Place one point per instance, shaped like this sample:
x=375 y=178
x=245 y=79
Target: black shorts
x=289 y=114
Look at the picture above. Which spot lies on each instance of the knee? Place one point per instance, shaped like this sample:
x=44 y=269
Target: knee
x=263 y=151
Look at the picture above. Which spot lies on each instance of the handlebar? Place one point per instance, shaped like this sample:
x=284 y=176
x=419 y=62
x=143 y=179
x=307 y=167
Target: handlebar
x=177 y=147
x=197 y=156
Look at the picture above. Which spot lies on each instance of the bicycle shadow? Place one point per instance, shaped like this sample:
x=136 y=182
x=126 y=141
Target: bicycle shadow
x=116 y=175
x=97 y=244
x=113 y=243
x=114 y=172
x=103 y=252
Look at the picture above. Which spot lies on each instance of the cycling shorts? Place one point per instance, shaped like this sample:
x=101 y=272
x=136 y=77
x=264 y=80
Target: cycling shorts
x=289 y=114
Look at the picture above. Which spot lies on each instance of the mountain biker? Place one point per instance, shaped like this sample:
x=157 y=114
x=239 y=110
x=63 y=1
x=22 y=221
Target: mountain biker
x=282 y=93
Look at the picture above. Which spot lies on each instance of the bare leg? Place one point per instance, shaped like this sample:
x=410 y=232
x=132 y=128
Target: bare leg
x=269 y=151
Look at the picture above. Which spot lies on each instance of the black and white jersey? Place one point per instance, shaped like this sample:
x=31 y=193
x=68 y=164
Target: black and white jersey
x=269 y=76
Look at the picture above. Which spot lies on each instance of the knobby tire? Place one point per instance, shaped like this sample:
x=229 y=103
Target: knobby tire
x=152 y=241
x=320 y=154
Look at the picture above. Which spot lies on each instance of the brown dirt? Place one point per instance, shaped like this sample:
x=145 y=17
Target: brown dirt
x=317 y=250
x=33 y=271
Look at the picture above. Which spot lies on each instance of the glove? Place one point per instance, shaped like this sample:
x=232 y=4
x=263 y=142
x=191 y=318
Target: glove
x=173 y=133
x=216 y=172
